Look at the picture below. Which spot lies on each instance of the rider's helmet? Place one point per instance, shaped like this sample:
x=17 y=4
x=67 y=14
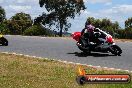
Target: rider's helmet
x=90 y=28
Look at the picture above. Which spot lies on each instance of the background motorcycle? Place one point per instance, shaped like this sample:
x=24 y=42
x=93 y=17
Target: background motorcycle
x=107 y=43
x=3 y=41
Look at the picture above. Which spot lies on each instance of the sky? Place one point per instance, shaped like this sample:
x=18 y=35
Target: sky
x=115 y=10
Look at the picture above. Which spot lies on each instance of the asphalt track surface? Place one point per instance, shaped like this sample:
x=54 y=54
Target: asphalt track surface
x=66 y=49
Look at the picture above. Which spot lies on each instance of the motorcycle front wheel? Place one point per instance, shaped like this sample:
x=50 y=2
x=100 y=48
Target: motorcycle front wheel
x=116 y=50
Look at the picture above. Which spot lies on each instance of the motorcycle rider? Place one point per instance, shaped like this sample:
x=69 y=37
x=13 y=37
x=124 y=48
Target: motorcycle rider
x=87 y=34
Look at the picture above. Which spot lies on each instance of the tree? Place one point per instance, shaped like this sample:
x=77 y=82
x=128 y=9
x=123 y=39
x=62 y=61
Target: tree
x=97 y=23
x=38 y=30
x=128 y=23
x=19 y=23
x=4 y=28
x=121 y=33
x=90 y=20
x=2 y=14
x=35 y=30
x=128 y=28
x=60 y=11
x=104 y=24
x=115 y=25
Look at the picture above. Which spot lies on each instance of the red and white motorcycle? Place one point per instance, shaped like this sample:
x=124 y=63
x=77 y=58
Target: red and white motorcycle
x=107 y=43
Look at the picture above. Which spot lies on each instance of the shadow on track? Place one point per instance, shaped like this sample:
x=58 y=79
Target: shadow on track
x=81 y=54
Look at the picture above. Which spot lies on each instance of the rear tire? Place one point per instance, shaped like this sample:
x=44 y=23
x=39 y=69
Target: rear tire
x=81 y=47
x=116 y=50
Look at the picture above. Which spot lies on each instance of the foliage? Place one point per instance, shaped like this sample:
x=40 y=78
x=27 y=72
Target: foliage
x=19 y=23
x=2 y=14
x=129 y=33
x=3 y=28
x=128 y=23
x=60 y=11
x=37 y=30
x=113 y=27
x=104 y=24
x=128 y=28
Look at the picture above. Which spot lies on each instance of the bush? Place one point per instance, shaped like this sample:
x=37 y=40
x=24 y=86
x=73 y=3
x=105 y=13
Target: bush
x=4 y=29
x=129 y=33
x=35 y=30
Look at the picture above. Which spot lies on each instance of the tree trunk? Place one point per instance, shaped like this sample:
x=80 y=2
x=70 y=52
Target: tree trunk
x=61 y=28
x=60 y=34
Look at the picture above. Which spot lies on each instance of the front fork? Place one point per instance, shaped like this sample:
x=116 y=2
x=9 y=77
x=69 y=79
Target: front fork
x=110 y=48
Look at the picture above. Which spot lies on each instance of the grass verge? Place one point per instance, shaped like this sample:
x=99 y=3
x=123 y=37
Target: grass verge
x=27 y=72
x=123 y=40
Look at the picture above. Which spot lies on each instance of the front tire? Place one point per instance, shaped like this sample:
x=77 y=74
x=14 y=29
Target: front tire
x=116 y=50
x=81 y=47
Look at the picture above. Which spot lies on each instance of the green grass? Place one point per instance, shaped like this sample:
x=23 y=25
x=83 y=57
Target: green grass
x=25 y=72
